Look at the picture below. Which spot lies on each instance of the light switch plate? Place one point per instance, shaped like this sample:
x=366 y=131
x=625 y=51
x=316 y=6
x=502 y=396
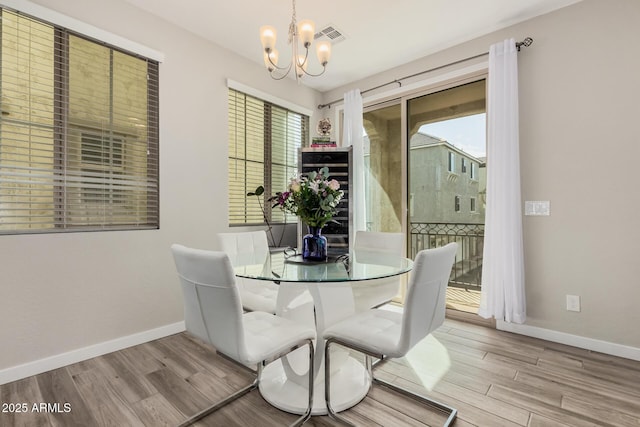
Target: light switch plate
x=537 y=208
x=573 y=303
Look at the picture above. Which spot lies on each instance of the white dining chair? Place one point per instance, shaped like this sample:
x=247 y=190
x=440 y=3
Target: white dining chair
x=213 y=313
x=250 y=247
x=386 y=334
x=374 y=293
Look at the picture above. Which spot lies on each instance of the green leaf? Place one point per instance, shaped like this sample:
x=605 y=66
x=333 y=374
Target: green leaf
x=259 y=191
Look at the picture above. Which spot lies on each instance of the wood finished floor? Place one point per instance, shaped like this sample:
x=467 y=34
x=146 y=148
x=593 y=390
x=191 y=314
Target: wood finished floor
x=496 y=379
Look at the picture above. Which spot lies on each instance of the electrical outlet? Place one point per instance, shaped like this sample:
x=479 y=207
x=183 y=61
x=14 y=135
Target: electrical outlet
x=573 y=303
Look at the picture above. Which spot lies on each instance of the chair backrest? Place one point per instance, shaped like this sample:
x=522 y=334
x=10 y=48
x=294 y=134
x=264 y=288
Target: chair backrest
x=425 y=303
x=379 y=241
x=245 y=248
x=212 y=308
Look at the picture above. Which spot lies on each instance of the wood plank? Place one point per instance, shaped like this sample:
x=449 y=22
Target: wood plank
x=513 y=352
x=57 y=387
x=599 y=412
x=179 y=392
x=157 y=411
x=178 y=361
x=122 y=376
x=619 y=401
x=541 y=421
x=484 y=402
x=19 y=396
x=140 y=360
x=502 y=339
x=108 y=408
x=596 y=379
x=523 y=400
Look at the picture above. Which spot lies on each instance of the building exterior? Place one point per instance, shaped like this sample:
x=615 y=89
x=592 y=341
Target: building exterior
x=446 y=184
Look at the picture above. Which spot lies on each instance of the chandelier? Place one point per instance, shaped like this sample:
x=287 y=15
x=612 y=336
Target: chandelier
x=300 y=36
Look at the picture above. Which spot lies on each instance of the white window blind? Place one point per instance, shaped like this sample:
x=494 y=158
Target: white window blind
x=78 y=132
x=263 y=151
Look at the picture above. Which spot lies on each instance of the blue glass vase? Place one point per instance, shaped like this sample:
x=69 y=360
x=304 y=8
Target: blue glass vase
x=314 y=245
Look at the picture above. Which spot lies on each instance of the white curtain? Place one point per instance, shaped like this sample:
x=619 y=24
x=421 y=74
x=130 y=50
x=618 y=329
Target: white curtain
x=503 y=295
x=353 y=136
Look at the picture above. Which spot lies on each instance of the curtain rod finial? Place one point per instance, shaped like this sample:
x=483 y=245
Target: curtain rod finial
x=526 y=42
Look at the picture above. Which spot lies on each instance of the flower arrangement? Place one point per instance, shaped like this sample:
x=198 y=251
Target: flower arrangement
x=313 y=198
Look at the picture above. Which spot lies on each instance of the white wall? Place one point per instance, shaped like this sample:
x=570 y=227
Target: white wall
x=64 y=292
x=579 y=92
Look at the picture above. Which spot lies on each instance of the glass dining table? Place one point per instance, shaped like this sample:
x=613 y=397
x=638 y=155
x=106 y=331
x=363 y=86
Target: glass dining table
x=318 y=293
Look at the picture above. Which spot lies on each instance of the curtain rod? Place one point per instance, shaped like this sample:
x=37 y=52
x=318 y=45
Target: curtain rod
x=526 y=42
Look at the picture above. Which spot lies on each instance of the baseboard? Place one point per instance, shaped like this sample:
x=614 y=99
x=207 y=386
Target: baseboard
x=43 y=365
x=605 y=347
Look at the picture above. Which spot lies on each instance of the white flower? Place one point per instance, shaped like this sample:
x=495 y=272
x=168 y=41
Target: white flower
x=334 y=185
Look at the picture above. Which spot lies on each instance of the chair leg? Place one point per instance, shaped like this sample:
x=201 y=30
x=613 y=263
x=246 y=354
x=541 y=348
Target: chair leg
x=327 y=386
x=200 y=415
x=298 y=422
x=305 y=417
x=451 y=412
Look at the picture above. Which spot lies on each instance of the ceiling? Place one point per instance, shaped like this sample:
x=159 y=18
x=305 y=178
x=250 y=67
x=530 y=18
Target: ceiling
x=379 y=34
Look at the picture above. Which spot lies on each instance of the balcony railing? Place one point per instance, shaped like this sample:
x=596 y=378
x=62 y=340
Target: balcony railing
x=467 y=269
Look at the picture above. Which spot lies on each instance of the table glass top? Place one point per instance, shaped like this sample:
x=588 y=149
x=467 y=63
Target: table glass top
x=359 y=265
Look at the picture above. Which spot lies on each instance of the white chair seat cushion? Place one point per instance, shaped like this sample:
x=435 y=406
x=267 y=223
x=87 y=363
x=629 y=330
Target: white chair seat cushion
x=267 y=336
x=258 y=295
x=375 y=330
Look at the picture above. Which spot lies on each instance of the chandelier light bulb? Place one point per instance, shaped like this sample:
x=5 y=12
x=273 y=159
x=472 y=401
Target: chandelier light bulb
x=323 y=52
x=268 y=37
x=306 y=31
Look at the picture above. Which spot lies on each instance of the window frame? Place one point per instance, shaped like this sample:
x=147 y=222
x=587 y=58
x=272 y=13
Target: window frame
x=139 y=207
x=274 y=136
x=451 y=162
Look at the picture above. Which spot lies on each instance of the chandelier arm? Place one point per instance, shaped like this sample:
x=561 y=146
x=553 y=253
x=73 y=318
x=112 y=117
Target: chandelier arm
x=324 y=68
x=275 y=66
x=285 y=74
x=306 y=56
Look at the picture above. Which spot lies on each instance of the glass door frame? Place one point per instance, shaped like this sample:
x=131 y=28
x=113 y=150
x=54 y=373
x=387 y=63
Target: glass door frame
x=403 y=95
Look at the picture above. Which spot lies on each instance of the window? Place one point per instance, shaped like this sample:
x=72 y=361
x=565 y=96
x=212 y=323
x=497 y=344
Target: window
x=263 y=150
x=78 y=132
x=464 y=165
x=472 y=207
x=452 y=162
x=457 y=203
x=473 y=171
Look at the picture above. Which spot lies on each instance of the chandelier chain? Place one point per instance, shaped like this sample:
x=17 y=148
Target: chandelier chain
x=292 y=25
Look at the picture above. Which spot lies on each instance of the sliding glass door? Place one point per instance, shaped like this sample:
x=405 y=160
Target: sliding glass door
x=425 y=161
x=447 y=182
